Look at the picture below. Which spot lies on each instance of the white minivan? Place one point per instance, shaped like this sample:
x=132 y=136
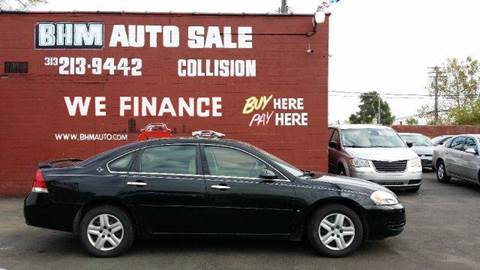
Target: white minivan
x=374 y=153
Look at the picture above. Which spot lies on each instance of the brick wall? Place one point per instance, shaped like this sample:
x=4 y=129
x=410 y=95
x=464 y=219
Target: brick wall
x=434 y=131
x=32 y=107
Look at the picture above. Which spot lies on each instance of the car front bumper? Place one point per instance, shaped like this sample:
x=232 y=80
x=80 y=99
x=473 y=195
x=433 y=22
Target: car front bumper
x=426 y=161
x=385 y=221
x=410 y=178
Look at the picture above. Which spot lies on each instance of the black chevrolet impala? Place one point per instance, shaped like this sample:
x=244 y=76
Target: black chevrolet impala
x=204 y=187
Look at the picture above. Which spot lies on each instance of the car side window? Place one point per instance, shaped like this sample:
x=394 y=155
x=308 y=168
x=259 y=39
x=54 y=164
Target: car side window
x=457 y=143
x=122 y=164
x=469 y=143
x=175 y=159
x=223 y=161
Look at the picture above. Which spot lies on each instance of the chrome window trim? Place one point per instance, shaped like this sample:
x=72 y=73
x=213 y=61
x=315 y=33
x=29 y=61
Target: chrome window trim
x=248 y=153
x=242 y=178
x=164 y=174
x=194 y=175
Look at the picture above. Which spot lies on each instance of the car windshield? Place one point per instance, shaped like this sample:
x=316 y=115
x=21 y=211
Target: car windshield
x=283 y=164
x=371 y=138
x=416 y=139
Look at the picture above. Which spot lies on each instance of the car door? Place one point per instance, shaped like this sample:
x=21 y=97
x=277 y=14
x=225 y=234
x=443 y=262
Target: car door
x=241 y=202
x=167 y=189
x=453 y=155
x=468 y=162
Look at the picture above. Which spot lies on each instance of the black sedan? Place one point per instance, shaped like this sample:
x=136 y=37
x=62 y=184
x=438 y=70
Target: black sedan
x=206 y=187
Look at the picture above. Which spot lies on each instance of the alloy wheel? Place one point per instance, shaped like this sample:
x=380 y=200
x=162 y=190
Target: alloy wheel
x=441 y=171
x=105 y=232
x=336 y=231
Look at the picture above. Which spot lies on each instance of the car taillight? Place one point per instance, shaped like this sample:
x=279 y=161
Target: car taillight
x=39 y=184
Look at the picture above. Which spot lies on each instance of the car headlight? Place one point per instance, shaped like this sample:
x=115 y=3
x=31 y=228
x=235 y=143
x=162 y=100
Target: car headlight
x=381 y=197
x=359 y=162
x=416 y=162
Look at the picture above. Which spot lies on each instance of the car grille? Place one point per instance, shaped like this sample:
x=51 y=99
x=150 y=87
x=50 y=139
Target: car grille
x=393 y=166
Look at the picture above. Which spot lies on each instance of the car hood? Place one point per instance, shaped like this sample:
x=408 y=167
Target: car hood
x=382 y=154
x=423 y=150
x=345 y=183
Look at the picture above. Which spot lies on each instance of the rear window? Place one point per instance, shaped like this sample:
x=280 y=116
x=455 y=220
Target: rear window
x=122 y=164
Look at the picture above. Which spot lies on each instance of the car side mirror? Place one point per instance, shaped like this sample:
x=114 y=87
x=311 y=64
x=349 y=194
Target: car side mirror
x=333 y=144
x=409 y=144
x=472 y=151
x=268 y=174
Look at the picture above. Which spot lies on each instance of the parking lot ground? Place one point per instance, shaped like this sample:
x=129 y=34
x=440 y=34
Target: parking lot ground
x=442 y=232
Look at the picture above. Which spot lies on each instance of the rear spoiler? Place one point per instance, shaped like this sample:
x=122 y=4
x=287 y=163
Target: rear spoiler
x=57 y=163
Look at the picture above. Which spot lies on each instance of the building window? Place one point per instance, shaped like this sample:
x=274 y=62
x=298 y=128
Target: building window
x=16 y=67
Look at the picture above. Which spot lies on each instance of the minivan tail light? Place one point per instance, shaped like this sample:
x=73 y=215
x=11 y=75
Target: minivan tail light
x=39 y=184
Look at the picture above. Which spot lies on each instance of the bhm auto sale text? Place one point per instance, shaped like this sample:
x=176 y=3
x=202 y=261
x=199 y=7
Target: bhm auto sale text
x=63 y=35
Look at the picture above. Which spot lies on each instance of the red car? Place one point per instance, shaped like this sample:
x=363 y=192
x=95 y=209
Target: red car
x=154 y=131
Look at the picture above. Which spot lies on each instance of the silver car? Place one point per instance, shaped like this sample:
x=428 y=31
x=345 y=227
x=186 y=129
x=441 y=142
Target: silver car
x=421 y=145
x=459 y=158
x=374 y=153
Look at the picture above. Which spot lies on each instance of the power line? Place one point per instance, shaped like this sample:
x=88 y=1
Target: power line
x=400 y=94
x=388 y=97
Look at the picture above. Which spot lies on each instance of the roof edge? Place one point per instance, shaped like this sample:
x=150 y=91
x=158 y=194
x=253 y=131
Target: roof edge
x=156 y=13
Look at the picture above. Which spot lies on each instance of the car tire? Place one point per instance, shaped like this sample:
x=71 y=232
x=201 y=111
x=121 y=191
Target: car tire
x=332 y=238
x=441 y=173
x=106 y=231
x=341 y=170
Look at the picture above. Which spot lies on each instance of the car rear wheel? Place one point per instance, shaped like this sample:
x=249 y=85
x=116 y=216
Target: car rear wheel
x=335 y=230
x=442 y=176
x=106 y=231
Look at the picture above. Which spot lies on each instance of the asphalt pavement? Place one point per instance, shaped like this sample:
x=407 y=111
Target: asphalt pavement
x=442 y=232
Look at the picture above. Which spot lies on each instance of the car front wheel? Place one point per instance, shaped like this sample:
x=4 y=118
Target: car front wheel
x=335 y=230
x=442 y=176
x=341 y=170
x=106 y=231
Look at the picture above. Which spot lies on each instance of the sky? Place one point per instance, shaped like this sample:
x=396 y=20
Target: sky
x=381 y=45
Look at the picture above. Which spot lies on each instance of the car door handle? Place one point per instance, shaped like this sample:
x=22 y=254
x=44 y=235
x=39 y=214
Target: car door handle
x=220 y=187
x=137 y=183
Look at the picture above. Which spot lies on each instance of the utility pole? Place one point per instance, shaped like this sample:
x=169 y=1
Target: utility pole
x=436 y=72
x=435 y=110
x=284 y=7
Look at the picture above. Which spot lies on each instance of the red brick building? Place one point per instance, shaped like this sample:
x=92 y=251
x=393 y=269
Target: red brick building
x=75 y=84
x=434 y=131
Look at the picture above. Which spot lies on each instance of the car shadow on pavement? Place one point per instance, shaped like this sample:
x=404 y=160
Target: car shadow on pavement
x=70 y=246
x=242 y=246
x=464 y=184
x=220 y=245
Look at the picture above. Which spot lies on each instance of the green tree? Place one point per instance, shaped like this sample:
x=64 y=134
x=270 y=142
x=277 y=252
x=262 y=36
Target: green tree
x=19 y=4
x=412 y=121
x=467 y=115
x=369 y=110
x=457 y=84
